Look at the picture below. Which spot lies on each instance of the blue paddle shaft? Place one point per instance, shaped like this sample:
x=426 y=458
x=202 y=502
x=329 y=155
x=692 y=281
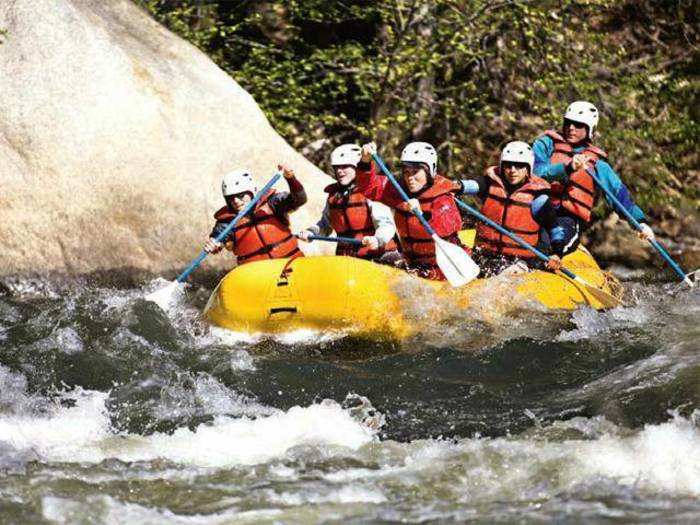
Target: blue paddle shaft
x=220 y=238
x=508 y=233
x=676 y=267
x=401 y=191
x=344 y=240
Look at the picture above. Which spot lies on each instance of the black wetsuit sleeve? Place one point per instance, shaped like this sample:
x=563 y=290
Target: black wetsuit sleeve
x=547 y=215
x=484 y=184
x=218 y=228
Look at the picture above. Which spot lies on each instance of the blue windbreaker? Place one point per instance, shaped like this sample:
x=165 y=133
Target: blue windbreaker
x=543 y=148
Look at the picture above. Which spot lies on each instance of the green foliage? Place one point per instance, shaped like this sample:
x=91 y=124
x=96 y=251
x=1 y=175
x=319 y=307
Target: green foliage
x=466 y=75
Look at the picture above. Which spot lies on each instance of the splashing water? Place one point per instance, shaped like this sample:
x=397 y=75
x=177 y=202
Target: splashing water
x=114 y=410
x=168 y=296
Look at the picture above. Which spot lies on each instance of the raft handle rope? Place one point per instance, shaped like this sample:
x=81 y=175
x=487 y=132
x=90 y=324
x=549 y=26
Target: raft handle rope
x=283 y=309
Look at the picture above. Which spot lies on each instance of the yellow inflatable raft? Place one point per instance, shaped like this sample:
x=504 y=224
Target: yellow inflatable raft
x=346 y=293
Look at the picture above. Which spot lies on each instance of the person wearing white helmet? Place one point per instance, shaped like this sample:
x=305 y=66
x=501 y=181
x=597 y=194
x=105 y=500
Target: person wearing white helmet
x=264 y=232
x=563 y=160
x=518 y=200
x=350 y=214
x=429 y=192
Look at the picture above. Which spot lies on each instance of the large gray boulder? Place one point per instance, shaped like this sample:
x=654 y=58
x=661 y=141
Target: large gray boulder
x=114 y=135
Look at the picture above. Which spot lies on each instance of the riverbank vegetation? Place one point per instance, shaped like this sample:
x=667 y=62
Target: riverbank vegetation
x=468 y=76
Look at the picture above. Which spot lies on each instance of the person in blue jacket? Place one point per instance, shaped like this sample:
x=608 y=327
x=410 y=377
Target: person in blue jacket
x=562 y=160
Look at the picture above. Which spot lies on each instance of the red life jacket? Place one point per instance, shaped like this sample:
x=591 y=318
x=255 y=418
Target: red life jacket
x=417 y=245
x=578 y=196
x=512 y=211
x=261 y=234
x=351 y=216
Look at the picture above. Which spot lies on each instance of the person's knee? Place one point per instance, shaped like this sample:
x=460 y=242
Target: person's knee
x=564 y=236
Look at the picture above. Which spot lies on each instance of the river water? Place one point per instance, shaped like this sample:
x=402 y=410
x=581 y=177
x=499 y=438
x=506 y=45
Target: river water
x=113 y=411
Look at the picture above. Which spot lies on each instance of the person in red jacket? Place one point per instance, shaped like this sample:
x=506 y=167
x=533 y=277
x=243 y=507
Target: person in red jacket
x=351 y=214
x=429 y=192
x=264 y=232
x=519 y=201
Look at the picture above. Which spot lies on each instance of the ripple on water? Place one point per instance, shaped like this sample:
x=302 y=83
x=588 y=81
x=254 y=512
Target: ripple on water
x=250 y=438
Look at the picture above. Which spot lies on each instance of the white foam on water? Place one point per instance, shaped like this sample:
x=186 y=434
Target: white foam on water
x=664 y=458
x=308 y=336
x=242 y=360
x=64 y=433
x=14 y=395
x=195 y=395
x=35 y=287
x=13 y=391
x=658 y=459
x=661 y=459
x=105 y=509
x=66 y=340
x=592 y=323
x=345 y=494
x=82 y=433
x=303 y=336
x=228 y=337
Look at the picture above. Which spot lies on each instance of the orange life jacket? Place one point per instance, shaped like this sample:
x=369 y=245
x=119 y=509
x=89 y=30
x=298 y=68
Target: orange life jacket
x=512 y=211
x=261 y=234
x=351 y=216
x=579 y=194
x=417 y=245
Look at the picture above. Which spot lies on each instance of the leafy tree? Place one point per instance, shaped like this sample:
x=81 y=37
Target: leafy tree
x=466 y=75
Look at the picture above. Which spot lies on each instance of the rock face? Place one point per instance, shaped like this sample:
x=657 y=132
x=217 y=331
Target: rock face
x=613 y=241
x=114 y=135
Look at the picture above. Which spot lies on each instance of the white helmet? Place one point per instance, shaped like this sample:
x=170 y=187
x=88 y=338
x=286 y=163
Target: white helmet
x=421 y=152
x=583 y=112
x=238 y=181
x=518 y=151
x=346 y=155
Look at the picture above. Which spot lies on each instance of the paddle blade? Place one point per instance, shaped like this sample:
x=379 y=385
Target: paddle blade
x=691 y=278
x=606 y=299
x=167 y=296
x=455 y=263
x=603 y=297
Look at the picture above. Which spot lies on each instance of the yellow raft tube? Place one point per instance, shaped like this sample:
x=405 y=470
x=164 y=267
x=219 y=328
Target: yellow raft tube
x=346 y=293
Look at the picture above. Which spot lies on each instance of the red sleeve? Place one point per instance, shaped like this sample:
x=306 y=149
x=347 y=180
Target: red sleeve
x=295 y=185
x=284 y=202
x=368 y=182
x=445 y=217
x=376 y=187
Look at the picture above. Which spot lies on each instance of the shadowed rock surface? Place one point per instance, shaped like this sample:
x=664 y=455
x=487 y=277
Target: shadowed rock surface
x=114 y=136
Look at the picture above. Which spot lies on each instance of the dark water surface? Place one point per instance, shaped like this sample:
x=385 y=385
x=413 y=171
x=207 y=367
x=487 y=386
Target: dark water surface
x=112 y=411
